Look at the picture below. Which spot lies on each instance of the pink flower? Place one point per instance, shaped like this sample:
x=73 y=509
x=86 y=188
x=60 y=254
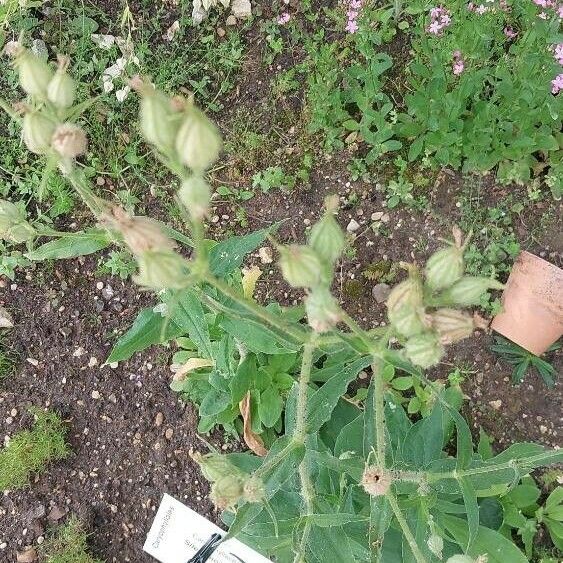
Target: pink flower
x=560 y=11
x=352 y=26
x=355 y=4
x=352 y=14
x=509 y=32
x=434 y=28
x=481 y=9
x=558 y=53
x=458 y=67
x=440 y=18
x=557 y=84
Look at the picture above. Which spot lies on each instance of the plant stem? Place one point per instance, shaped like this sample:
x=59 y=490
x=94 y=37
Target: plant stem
x=308 y=494
x=300 y=431
x=398 y=8
x=418 y=555
x=82 y=188
x=260 y=312
x=9 y=110
x=379 y=409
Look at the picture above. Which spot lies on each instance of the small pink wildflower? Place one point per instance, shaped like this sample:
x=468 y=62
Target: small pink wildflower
x=354 y=7
x=284 y=18
x=557 y=84
x=558 y=53
x=440 y=18
x=352 y=26
x=481 y=9
x=459 y=64
x=509 y=32
x=355 y=4
x=560 y=11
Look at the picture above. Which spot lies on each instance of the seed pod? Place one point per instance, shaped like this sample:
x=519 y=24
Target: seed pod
x=159 y=122
x=69 y=140
x=37 y=132
x=254 y=490
x=452 y=325
x=408 y=321
x=300 y=266
x=323 y=312
x=444 y=267
x=34 y=74
x=468 y=291
x=376 y=480
x=195 y=194
x=327 y=238
x=62 y=88
x=214 y=466
x=424 y=350
x=198 y=142
x=161 y=270
x=227 y=491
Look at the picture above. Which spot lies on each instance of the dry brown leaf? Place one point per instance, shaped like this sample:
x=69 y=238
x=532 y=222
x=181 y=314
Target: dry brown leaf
x=29 y=555
x=6 y=320
x=191 y=365
x=253 y=441
x=249 y=278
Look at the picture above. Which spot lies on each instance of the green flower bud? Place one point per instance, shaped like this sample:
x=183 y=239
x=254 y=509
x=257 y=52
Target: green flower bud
x=13 y=226
x=452 y=325
x=424 y=350
x=195 y=194
x=62 y=88
x=446 y=266
x=34 y=73
x=159 y=122
x=69 y=140
x=408 y=292
x=37 y=132
x=327 y=238
x=254 y=490
x=198 y=142
x=300 y=266
x=323 y=312
x=161 y=270
x=215 y=466
x=436 y=545
x=226 y=491
x=408 y=320
x=468 y=291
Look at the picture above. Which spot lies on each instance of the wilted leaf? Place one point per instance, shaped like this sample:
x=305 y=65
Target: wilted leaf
x=191 y=365
x=6 y=320
x=249 y=278
x=27 y=556
x=253 y=441
x=171 y=31
x=241 y=8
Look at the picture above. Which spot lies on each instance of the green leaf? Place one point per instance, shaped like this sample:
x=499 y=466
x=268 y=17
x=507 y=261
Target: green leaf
x=524 y=495
x=71 y=246
x=484 y=448
x=147 y=330
x=270 y=406
x=471 y=510
x=334 y=519
x=554 y=499
x=186 y=312
x=402 y=383
x=498 y=548
x=214 y=402
x=324 y=400
x=491 y=513
x=244 y=378
x=379 y=521
x=227 y=256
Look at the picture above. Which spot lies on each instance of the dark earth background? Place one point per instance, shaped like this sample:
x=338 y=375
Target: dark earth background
x=130 y=435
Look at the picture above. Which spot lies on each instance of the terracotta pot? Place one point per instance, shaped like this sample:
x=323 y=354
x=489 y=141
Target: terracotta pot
x=532 y=315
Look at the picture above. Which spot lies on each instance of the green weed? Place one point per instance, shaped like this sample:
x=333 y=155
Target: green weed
x=68 y=544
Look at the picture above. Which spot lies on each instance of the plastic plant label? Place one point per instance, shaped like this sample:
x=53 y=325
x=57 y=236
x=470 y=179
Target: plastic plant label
x=178 y=534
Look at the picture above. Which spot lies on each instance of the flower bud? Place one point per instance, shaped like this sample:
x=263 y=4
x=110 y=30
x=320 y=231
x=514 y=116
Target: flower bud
x=161 y=270
x=198 y=142
x=452 y=325
x=460 y=559
x=323 y=312
x=159 y=122
x=408 y=320
x=13 y=226
x=300 y=266
x=34 y=73
x=226 y=491
x=468 y=291
x=435 y=544
x=254 y=490
x=214 y=466
x=376 y=480
x=195 y=194
x=408 y=292
x=327 y=238
x=444 y=267
x=69 y=140
x=37 y=132
x=424 y=350
x=62 y=88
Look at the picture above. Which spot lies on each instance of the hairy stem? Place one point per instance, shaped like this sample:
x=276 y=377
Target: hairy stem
x=4 y=105
x=308 y=494
x=82 y=188
x=418 y=555
x=300 y=431
x=379 y=409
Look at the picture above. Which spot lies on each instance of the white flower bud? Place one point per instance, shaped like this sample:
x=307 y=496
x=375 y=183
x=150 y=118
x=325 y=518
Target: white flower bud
x=424 y=350
x=161 y=270
x=34 y=73
x=323 y=312
x=62 y=88
x=198 y=142
x=195 y=194
x=37 y=132
x=300 y=266
x=468 y=291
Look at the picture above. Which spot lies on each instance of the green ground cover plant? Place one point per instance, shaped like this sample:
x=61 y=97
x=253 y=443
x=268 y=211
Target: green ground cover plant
x=338 y=480
x=30 y=451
